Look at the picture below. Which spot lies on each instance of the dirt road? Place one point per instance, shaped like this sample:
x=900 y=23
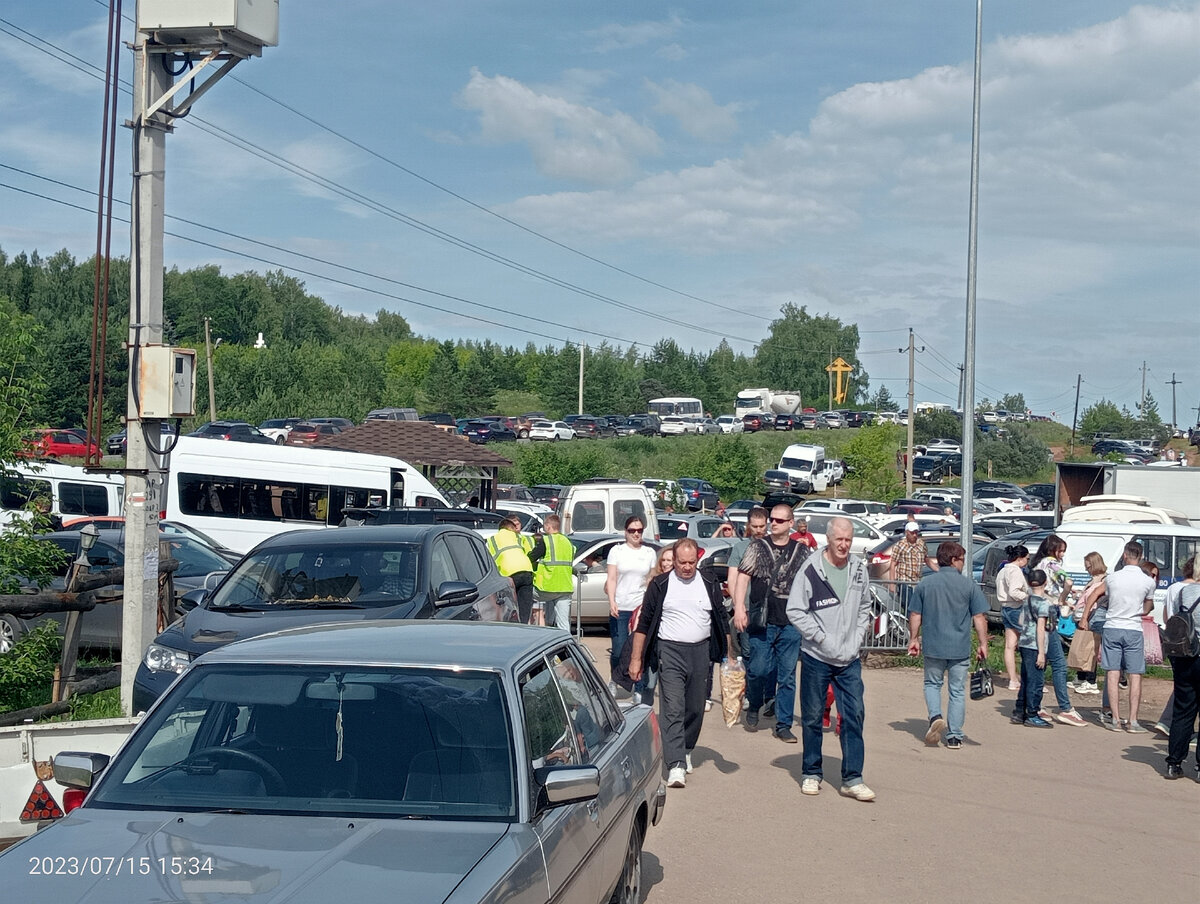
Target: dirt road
x=1062 y=814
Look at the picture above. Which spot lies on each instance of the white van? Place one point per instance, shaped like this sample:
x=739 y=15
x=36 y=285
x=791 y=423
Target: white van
x=1124 y=509
x=595 y=509
x=1166 y=545
x=805 y=467
x=73 y=493
x=241 y=493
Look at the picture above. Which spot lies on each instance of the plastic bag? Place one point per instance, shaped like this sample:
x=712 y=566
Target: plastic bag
x=733 y=688
x=1153 y=642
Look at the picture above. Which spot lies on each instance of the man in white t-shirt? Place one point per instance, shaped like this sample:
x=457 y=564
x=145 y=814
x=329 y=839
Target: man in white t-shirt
x=1130 y=596
x=629 y=566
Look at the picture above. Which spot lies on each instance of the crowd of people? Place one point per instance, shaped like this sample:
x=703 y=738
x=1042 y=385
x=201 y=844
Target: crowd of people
x=790 y=603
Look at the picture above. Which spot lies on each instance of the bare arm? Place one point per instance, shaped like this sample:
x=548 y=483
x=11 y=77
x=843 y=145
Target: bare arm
x=981 y=631
x=635 y=657
x=610 y=590
x=914 y=631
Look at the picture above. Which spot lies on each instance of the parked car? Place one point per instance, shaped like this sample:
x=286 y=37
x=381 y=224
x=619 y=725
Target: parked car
x=928 y=469
x=642 y=425
x=786 y=421
x=708 y=427
x=1006 y=497
x=550 y=430
x=751 y=423
x=441 y=420
x=548 y=494
x=234 y=431
x=943 y=445
x=482 y=431
x=857 y=418
x=833 y=420
x=118 y=443
x=698 y=494
x=673 y=425
x=687 y=524
x=305 y=434
x=514 y=492
x=663 y=491
x=951 y=461
x=808 y=421
x=879 y=558
x=592 y=428
x=730 y=424
x=393 y=414
x=60 y=444
x=303 y=578
x=278 y=428
x=1043 y=492
x=866 y=535
x=342 y=423
x=441 y=761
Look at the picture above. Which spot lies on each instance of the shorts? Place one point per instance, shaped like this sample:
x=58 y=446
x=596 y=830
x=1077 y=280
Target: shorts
x=1011 y=616
x=1123 y=650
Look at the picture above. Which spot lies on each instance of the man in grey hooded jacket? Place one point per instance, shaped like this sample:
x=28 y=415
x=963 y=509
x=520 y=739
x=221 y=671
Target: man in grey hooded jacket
x=830 y=605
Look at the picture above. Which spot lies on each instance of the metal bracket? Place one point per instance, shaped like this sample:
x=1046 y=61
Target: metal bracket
x=212 y=56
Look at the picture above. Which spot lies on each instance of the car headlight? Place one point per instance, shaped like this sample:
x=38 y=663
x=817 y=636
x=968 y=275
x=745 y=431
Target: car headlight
x=165 y=659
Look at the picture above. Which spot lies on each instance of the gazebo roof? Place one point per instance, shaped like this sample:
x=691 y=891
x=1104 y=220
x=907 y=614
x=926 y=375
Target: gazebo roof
x=416 y=442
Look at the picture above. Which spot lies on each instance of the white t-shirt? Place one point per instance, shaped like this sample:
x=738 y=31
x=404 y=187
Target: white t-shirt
x=633 y=573
x=1127 y=590
x=686 y=611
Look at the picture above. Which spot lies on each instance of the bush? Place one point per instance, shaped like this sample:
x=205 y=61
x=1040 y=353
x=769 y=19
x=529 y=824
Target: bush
x=871 y=458
x=27 y=671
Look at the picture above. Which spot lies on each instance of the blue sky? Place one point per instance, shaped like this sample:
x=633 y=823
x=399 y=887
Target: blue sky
x=729 y=158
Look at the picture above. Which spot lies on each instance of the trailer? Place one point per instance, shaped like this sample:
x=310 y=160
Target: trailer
x=1175 y=488
x=766 y=401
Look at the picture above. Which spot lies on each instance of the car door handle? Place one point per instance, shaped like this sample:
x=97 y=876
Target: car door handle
x=626 y=766
x=593 y=808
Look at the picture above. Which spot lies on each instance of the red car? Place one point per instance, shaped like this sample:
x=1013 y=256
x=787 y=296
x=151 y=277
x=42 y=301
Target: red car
x=61 y=444
x=306 y=434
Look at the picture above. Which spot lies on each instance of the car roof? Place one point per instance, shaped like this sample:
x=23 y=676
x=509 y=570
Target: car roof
x=460 y=644
x=349 y=537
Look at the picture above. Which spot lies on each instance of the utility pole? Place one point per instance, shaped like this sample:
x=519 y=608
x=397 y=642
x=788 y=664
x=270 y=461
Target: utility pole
x=582 y=347
x=1142 y=403
x=1173 y=383
x=156 y=388
x=908 y=468
x=1075 y=416
x=829 y=370
x=212 y=392
x=960 y=387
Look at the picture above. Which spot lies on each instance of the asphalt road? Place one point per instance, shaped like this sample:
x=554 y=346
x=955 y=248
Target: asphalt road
x=1063 y=814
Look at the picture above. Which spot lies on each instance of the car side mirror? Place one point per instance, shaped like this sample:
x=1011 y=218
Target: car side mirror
x=455 y=593
x=79 y=770
x=569 y=784
x=580 y=568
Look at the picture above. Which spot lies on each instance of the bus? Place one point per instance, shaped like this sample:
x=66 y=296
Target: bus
x=679 y=405
x=242 y=493
x=67 y=490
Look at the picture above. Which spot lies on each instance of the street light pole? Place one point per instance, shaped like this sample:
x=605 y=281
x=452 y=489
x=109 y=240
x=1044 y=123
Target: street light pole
x=208 y=350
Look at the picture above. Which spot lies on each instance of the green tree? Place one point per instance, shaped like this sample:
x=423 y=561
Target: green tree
x=871 y=458
x=929 y=425
x=1013 y=402
x=883 y=401
x=800 y=347
x=1103 y=417
x=727 y=462
x=443 y=382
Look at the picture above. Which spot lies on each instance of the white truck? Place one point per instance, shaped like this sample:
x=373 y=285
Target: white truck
x=764 y=401
x=805 y=468
x=1174 y=487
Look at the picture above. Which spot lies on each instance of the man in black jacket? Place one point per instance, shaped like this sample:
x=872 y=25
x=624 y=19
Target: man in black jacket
x=684 y=626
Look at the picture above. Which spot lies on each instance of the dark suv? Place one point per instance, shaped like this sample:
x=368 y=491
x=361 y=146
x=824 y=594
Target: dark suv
x=592 y=428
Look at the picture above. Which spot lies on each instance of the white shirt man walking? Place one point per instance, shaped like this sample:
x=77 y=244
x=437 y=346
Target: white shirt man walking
x=1130 y=596
x=830 y=605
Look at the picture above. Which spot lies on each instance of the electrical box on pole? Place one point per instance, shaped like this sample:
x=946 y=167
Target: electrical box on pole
x=208 y=22
x=167 y=380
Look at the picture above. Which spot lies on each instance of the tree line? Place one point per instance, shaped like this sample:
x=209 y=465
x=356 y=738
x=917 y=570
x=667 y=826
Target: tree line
x=320 y=360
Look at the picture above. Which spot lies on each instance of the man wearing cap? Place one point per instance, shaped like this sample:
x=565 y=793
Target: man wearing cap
x=909 y=558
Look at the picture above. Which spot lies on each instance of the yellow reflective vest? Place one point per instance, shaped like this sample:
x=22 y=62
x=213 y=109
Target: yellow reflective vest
x=554 y=572
x=511 y=551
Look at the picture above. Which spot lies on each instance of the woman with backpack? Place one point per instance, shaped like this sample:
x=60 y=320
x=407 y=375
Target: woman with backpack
x=1012 y=591
x=1186 y=672
x=1049 y=560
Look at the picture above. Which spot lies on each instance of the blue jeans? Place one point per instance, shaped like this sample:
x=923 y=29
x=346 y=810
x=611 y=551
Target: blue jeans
x=1058 y=670
x=956 y=710
x=618 y=630
x=773 y=654
x=815 y=677
x=1033 y=680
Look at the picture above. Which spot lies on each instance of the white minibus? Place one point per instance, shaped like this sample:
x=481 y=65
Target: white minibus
x=71 y=491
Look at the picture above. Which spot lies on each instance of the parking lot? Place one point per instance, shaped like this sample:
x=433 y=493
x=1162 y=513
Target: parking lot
x=1063 y=814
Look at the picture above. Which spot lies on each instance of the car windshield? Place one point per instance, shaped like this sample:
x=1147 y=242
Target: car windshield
x=321 y=741
x=311 y=576
x=195 y=559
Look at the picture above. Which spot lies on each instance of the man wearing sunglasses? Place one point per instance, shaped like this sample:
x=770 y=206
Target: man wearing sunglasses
x=769 y=567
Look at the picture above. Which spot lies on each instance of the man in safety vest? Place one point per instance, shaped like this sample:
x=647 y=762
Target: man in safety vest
x=510 y=548
x=554 y=577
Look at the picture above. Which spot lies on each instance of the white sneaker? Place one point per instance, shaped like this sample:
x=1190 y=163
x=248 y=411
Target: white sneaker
x=858 y=791
x=810 y=786
x=745 y=704
x=676 y=777
x=1070 y=717
x=688 y=763
x=707 y=705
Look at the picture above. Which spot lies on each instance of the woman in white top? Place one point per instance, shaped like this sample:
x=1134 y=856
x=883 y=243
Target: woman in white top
x=629 y=566
x=1012 y=590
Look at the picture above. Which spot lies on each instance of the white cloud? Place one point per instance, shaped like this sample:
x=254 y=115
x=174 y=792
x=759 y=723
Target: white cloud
x=698 y=114
x=622 y=37
x=567 y=140
x=35 y=60
x=671 y=52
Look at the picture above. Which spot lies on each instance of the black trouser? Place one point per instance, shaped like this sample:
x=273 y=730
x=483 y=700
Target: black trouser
x=523 y=584
x=1187 y=703
x=681 y=671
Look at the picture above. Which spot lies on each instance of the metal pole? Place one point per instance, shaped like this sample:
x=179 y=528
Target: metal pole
x=968 y=485
x=581 y=350
x=1172 y=383
x=143 y=478
x=1075 y=416
x=908 y=470
x=829 y=370
x=212 y=395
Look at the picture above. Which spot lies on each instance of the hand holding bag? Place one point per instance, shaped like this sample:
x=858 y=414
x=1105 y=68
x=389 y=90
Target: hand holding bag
x=981 y=683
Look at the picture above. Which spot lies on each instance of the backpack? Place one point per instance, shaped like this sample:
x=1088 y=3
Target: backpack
x=1180 y=636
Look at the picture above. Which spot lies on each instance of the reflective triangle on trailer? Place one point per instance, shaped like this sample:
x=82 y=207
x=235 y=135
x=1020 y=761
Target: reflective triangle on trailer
x=41 y=805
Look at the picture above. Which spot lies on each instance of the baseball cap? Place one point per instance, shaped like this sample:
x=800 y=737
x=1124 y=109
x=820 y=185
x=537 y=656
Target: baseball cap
x=913 y=526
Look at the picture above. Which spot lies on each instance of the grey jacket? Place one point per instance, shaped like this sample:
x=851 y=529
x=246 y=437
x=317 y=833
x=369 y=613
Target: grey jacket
x=831 y=629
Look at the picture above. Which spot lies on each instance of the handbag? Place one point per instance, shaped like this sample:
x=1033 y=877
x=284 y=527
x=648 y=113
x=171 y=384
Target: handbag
x=981 y=683
x=1153 y=642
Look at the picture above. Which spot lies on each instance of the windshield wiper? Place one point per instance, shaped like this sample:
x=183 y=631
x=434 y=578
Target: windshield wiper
x=342 y=603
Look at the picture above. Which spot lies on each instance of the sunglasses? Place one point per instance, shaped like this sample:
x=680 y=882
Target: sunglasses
x=780 y=520
x=634 y=530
